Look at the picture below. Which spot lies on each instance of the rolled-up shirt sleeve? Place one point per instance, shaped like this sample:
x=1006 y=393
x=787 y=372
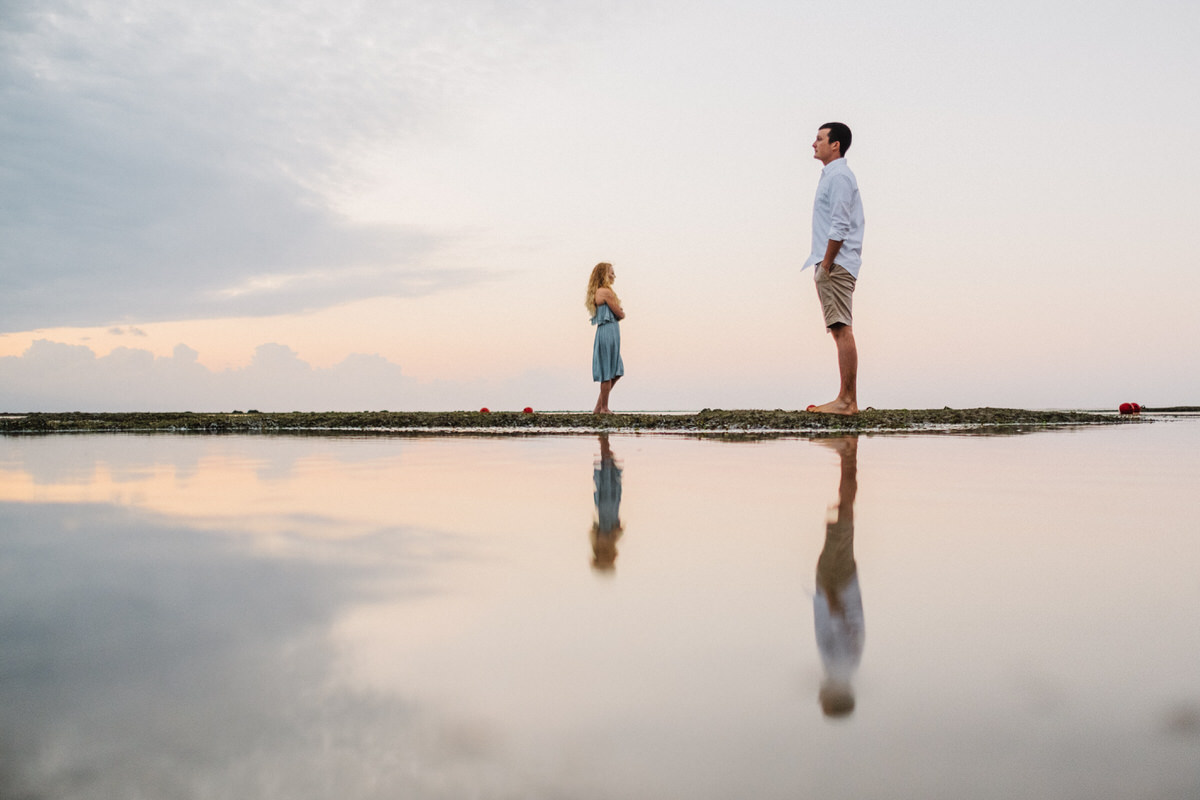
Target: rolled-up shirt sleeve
x=841 y=195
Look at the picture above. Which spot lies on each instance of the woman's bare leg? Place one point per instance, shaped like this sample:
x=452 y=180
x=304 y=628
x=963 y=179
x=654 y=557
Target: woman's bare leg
x=602 y=401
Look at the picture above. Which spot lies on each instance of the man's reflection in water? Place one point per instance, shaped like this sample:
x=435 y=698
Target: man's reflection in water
x=837 y=604
x=607 y=528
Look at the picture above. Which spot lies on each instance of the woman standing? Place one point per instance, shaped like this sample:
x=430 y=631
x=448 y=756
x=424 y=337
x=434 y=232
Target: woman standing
x=607 y=529
x=605 y=308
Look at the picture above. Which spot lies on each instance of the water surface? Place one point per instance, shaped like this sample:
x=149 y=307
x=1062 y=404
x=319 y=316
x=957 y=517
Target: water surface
x=936 y=616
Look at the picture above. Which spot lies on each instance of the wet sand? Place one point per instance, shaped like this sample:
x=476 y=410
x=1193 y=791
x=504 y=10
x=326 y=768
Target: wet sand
x=714 y=421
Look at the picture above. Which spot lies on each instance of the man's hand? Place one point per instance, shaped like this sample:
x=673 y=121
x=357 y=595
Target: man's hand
x=831 y=250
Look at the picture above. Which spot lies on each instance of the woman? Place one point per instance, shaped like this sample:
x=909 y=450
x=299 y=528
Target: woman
x=605 y=308
x=607 y=529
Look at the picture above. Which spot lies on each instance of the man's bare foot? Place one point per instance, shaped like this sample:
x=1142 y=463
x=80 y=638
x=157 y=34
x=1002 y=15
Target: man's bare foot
x=842 y=445
x=842 y=407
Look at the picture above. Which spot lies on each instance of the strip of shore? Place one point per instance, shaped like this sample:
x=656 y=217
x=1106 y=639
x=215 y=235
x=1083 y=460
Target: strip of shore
x=706 y=422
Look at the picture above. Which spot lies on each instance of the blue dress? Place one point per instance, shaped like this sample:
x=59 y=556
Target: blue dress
x=607 y=477
x=606 y=352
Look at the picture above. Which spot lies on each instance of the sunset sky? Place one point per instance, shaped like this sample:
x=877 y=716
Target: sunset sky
x=396 y=205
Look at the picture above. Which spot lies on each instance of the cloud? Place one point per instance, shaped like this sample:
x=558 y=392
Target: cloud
x=56 y=377
x=157 y=654
x=51 y=376
x=168 y=161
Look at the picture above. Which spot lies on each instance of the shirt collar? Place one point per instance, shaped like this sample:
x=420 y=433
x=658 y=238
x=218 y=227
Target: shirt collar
x=834 y=166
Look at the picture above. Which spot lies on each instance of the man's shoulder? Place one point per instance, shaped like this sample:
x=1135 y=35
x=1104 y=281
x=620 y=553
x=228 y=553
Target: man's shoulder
x=837 y=169
x=840 y=167
x=842 y=175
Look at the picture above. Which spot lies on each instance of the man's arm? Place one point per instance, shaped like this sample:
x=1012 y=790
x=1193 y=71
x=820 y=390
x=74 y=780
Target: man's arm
x=840 y=195
x=831 y=251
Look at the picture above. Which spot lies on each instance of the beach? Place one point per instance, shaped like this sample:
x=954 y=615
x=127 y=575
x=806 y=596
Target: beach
x=708 y=420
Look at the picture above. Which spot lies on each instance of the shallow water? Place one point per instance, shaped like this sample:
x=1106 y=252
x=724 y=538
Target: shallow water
x=564 y=617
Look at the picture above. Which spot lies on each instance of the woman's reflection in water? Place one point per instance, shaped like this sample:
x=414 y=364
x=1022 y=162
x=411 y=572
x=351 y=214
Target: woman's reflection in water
x=607 y=528
x=837 y=604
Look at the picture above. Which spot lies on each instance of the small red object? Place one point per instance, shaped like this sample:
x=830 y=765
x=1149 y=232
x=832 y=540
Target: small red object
x=484 y=410
x=1137 y=409
x=1125 y=408
x=527 y=410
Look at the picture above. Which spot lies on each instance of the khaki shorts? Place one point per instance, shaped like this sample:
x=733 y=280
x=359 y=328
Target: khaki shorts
x=835 y=289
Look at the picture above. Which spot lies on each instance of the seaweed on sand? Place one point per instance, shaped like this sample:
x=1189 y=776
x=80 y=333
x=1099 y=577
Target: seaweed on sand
x=717 y=421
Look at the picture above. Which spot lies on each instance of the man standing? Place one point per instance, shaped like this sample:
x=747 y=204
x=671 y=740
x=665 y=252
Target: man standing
x=836 y=255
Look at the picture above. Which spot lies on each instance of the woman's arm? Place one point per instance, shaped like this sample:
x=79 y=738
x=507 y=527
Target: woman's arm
x=605 y=296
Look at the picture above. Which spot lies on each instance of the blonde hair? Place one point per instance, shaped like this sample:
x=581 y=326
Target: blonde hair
x=599 y=279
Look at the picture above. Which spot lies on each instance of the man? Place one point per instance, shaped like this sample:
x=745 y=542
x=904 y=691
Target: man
x=837 y=603
x=836 y=255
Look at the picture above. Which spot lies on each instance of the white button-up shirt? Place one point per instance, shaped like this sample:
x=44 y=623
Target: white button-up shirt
x=838 y=215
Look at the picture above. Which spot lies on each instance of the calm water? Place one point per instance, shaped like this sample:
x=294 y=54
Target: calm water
x=928 y=616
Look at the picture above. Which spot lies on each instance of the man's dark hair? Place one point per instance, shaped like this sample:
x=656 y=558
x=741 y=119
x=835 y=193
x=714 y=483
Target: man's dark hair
x=838 y=132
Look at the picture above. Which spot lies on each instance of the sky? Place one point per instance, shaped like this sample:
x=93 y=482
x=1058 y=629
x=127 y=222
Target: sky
x=396 y=205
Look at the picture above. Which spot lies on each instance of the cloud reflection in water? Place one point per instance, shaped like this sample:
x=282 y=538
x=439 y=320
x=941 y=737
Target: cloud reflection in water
x=143 y=657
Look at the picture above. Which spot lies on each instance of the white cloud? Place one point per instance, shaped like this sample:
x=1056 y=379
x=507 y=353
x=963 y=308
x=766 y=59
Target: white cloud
x=161 y=159
x=60 y=377
x=214 y=662
x=55 y=377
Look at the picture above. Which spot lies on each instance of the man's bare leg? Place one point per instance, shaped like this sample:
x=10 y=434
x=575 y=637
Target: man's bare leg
x=847 y=399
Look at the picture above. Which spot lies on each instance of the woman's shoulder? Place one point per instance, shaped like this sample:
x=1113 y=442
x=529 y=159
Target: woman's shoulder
x=603 y=294
x=604 y=313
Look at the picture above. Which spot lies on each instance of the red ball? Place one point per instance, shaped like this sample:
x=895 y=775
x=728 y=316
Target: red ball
x=484 y=410
x=1125 y=408
x=1136 y=408
x=527 y=410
